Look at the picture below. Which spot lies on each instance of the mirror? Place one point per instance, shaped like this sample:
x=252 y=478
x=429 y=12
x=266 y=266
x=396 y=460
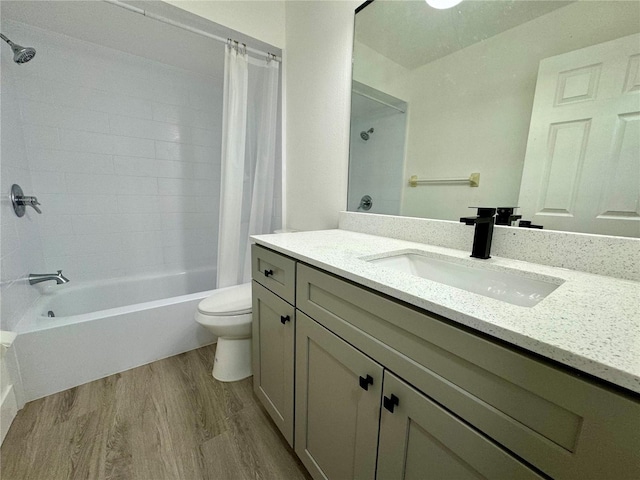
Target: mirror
x=539 y=99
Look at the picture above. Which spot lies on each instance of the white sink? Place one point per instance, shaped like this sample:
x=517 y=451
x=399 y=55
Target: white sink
x=509 y=287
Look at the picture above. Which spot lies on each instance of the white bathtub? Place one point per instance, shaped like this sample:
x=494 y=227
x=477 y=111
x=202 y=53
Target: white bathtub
x=106 y=327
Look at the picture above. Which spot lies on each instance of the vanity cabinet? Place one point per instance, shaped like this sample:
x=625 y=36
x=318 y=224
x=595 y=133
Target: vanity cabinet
x=421 y=440
x=338 y=391
x=273 y=330
x=344 y=424
x=560 y=424
x=464 y=404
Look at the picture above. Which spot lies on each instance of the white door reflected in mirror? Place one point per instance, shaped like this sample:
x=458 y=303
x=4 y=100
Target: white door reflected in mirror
x=582 y=166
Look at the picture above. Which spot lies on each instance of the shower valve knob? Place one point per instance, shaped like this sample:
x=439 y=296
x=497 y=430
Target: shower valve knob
x=366 y=203
x=32 y=202
x=20 y=201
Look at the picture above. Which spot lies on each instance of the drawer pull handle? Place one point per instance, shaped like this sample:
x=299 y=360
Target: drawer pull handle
x=284 y=319
x=365 y=382
x=390 y=402
x=268 y=273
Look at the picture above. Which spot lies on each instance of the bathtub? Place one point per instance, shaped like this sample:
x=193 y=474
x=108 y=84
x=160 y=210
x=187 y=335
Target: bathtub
x=105 y=327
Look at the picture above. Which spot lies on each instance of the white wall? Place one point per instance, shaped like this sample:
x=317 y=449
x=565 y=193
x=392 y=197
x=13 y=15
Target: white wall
x=124 y=155
x=377 y=71
x=263 y=20
x=319 y=39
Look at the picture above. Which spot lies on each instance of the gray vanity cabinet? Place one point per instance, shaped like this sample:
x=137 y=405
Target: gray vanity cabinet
x=464 y=405
x=563 y=425
x=337 y=405
x=343 y=423
x=273 y=330
x=419 y=440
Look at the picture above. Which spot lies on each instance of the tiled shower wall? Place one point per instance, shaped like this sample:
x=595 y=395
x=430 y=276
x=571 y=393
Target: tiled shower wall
x=377 y=165
x=124 y=154
x=20 y=250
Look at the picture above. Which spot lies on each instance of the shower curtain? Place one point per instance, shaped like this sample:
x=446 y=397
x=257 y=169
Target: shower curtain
x=250 y=109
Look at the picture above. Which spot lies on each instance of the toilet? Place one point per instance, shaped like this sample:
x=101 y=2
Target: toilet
x=227 y=314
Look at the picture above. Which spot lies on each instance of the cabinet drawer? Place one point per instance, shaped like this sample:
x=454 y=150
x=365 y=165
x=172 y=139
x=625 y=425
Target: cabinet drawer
x=565 y=426
x=421 y=440
x=274 y=271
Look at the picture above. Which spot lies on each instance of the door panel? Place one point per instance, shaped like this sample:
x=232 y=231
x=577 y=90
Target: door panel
x=421 y=440
x=582 y=164
x=336 y=418
x=273 y=357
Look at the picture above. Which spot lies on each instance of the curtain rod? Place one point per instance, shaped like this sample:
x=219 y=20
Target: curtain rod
x=376 y=100
x=168 y=21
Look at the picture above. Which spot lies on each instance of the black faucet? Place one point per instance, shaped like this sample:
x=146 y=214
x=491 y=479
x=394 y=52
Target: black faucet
x=505 y=216
x=484 y=231
x=528 y=224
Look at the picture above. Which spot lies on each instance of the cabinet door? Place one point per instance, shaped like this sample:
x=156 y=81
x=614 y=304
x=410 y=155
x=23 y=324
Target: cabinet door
x=273 y=357
x=337 y=405
x=419 y=440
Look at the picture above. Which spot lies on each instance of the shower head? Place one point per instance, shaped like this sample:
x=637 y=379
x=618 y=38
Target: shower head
x=365 y=135
x=20 y=54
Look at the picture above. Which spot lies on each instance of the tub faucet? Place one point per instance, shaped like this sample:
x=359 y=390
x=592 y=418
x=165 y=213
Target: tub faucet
x=484 y=231
x=44 y=277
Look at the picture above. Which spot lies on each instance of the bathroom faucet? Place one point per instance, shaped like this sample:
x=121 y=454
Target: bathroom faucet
x=505 y=216
x=484 y=231
x=44 y=277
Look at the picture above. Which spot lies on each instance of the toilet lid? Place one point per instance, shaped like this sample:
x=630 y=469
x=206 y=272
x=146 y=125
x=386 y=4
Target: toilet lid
x=234 y=300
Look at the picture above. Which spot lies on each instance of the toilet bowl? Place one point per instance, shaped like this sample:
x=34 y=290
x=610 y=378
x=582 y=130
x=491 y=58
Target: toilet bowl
x=227 y=314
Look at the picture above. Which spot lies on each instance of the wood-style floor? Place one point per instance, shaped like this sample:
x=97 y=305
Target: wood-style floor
x=166 y=420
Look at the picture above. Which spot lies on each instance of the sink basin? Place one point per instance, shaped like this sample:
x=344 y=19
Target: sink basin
x=509 y=287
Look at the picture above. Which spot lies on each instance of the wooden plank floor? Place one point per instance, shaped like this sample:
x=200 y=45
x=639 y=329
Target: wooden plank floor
x=166 y=420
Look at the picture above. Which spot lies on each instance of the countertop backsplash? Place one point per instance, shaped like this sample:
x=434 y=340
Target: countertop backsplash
x=617 y=257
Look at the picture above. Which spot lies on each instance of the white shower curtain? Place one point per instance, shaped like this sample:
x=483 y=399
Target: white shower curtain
x=264 y=98
x=248 y=161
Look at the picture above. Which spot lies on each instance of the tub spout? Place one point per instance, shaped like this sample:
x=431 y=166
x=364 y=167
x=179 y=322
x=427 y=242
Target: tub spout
x=44 y=277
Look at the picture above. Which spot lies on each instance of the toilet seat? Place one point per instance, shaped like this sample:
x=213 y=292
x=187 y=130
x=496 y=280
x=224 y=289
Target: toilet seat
x=228 y=301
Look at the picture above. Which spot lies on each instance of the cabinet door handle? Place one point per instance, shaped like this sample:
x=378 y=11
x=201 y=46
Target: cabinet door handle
x=268 y=273
x=365 y=382
x=390 y=402
x=284 y=319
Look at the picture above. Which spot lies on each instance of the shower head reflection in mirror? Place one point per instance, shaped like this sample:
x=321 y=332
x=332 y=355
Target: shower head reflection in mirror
x=507 y=89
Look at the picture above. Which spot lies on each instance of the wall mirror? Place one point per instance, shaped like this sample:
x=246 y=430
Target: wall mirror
x=516 y=103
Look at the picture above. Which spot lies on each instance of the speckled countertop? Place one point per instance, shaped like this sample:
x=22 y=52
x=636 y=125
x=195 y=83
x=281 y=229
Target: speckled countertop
x=590 y=322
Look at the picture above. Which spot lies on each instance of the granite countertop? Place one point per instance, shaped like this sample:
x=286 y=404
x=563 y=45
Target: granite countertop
x=590 y=322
